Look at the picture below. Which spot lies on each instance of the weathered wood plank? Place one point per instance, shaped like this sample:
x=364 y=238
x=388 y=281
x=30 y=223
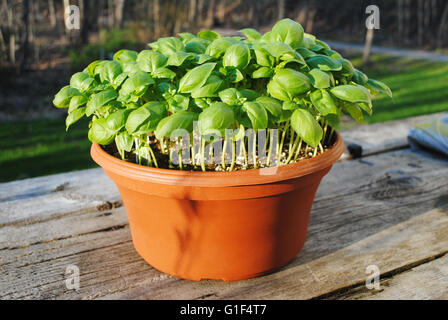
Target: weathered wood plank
x=428 y=281
x=44 y=198
x=419 y=239
x=383 y=137
x=358 y=199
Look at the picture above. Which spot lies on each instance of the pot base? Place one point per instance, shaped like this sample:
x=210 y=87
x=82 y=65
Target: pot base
x=229 y=226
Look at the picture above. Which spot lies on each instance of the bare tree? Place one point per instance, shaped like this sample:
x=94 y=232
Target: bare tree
x=52 y=13
x=118 y=13
x=368 y=45
x=156 y=16
x=25 y=41
x=192 y=11
x=442 y=26
x=281 y=9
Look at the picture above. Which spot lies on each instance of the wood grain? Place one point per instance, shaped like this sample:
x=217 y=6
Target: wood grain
x=385 y=209
x=387 y=192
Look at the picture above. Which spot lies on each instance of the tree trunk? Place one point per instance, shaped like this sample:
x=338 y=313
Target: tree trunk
x=192 y=11
x=156 y=13
x=25 y=43
x=52 y=13
x=420 y=22
x=400 y=21
x=442 y=25
x=281 y=9
x=367 y=46
x=210 y=14
x=118 y=14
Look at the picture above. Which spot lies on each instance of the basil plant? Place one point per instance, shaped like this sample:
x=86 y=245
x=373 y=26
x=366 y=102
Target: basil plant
x=191 y=98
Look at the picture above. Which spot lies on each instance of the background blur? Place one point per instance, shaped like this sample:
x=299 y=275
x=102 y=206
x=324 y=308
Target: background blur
x=38 y=55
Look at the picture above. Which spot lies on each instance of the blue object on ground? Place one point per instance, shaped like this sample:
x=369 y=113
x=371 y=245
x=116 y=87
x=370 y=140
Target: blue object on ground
x=431 y=135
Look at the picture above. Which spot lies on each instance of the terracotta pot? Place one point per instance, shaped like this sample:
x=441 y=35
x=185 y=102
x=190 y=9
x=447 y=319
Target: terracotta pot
x=218 y=225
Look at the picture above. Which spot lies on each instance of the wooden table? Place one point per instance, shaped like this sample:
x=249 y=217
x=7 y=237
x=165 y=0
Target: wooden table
x=386 y=209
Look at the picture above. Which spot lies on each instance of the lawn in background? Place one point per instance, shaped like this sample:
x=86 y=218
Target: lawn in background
x=36 y=148
x=419 y=87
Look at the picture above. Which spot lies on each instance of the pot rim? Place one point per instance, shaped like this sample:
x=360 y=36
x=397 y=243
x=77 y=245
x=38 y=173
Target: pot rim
x=217 y=179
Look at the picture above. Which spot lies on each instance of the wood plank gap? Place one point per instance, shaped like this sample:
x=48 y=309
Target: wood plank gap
x=360 y=286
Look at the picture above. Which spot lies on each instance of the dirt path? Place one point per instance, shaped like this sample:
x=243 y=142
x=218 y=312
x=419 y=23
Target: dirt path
x=406 y=53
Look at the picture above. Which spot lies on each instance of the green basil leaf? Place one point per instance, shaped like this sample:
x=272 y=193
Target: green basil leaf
x=209 y=35
x=359 y=77
x=351 y=93
x=77 y=79
x=332 y=54
x=124 y=141
x=168 y=45
x=63 y=97
x=136 y=85
x=110 y=70
x=233 y=74
x=164 y=73
x=324 y=63
x=196 y=77
x=131 y=68
x=74 y=116
x=216 y=119
x=179 y=120
x=319 y=79
x=210 y=89
x=273 y=106
x=323 y=102
x=289 y=32
x=202 y=58
x=277 y=49
x=100 y=133
x=75 y=102
x=288 y=83
x=146 y=118
x=120 y=79
x=178 y=103
x=186 y=36
x=195 y=47
x=257 y=115
x=178 y=58
x=231 y=96
x=354 y=111
x=251 y=34
x=263 y=72
x=125 y=55
x=347 y=68
x=117 y=120
x=237 y=55
x=367 y=107
x=304 y=52
x=150 y=61
x=290 y=105
x=379 y=87
x=249 y=94
x=99 y=99
x=217 y=48
x=264 y=58
x=306 y=127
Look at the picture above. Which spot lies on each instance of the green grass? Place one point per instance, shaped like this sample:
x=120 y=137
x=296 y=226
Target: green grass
x=419 y=87
x=36 y=148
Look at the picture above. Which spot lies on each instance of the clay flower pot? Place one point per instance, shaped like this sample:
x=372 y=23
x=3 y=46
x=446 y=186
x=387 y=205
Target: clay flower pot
x=218 y=225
